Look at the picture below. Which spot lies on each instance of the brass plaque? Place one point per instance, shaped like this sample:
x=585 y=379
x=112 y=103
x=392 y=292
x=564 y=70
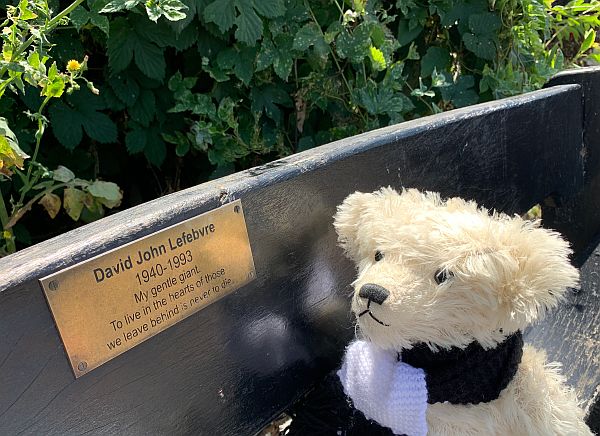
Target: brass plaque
x=111 y=303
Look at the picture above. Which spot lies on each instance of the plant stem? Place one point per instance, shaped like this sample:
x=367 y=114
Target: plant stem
x=38 y=141
x=337 y=64
x=8 y=234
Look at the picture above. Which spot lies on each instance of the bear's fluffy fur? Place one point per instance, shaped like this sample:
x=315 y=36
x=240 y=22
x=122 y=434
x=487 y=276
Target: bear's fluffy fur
x=504 y=273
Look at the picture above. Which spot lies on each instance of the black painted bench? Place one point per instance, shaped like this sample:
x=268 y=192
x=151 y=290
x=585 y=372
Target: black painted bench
x=238 y=363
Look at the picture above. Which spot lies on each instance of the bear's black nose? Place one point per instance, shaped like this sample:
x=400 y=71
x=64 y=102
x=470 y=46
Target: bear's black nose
x=374 y=293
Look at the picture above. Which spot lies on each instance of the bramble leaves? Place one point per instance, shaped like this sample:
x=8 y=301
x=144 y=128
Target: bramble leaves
x=308 y=36
x=461 y=93
x=222 y=13
x=81 y=16
x=354 y=46
x=269 y=99
x=482 y=37
x=278 y=54
x=245 y=15
x=83 y=114
x=148 y=141
x=261 y=79
x=127 y=43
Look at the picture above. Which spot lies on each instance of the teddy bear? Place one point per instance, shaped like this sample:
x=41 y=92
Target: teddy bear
x=443 y=291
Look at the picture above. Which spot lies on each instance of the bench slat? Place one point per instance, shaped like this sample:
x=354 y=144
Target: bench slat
x=231 y=367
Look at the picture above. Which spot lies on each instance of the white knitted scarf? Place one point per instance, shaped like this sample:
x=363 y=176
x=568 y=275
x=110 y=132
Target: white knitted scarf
x=385 y=390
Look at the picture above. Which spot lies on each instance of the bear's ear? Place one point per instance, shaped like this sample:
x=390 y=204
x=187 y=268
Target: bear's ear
x=544 y=272
x=348 y=220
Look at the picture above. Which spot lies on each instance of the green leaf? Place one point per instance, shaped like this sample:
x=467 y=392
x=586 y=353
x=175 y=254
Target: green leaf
x=461 y=11
x=121 y=44
x=355 y=46
x=377 y=59
x=135 y=141
x=99 y=127
x=269 y=8
x=266 y=55
x=192 y=9
x=279 y=55
x=406 y=35
x=149 y=141
x=144 y=108
x=68 y=121
x=226 y=112
x=26 y=13
x=73 y=202
x=126 y=88
x=222 y=13
x=486 y=23
x=126 y=43
x=461 y=93
x=249 y=25
x=379 y=100
x=413 y=53
x=483 y=46
x=310 y=35
x=150 y=59
x=181 y=141
x=55 y=84
x=187 y=38
x=101 y=22
x=283 y=62
x=590 y=38
x=437 y=58
x=156 y=149
x=182 y=148
x=63 y=174
x=51 y=202
x=268 y=99
x=108 y=193
x=241 y=61
x=66 y=125
x=172 y=10
x=119 y=5
x=93 y=209
x=79 y=17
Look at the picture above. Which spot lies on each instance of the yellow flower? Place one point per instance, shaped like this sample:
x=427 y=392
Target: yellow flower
x=7 y=30
x=73 y=66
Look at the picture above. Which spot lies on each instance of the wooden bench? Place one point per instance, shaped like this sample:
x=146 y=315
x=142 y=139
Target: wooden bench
x=238 y=363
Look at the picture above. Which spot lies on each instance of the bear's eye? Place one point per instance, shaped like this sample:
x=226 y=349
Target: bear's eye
x=441 y=275
x=378 y=256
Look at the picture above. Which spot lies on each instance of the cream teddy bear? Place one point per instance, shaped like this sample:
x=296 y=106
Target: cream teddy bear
x=443 y=291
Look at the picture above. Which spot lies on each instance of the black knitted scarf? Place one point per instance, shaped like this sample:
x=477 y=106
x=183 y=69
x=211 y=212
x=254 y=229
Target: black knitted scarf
x=469 y=375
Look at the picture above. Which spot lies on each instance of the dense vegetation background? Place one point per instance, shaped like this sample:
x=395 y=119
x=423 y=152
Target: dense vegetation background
x=166 y=94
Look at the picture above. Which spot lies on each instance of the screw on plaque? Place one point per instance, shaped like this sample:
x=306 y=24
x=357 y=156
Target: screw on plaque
x=236 y=209
x=53 y=285
x=82 y=365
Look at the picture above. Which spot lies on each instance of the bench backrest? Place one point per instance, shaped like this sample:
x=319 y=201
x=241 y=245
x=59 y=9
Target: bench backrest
x=232 y=366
